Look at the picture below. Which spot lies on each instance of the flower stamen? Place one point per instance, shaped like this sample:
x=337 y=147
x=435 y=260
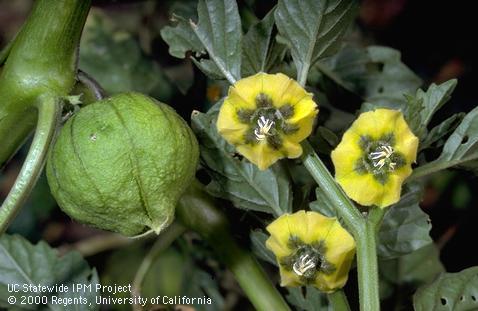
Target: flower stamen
x=263 y=129
x=304 y=264
x=380 y=157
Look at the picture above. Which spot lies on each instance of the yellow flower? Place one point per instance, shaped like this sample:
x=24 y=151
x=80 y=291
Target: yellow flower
x=311 y=249
x=266 y=116
x=375 y=157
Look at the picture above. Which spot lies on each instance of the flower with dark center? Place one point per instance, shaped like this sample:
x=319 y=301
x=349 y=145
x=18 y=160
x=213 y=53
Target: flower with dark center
x=311 y=249
x=375 y=157
x=266 y=117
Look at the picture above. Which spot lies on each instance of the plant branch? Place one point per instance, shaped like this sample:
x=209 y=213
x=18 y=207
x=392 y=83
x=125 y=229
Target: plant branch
x=345 y=208
x=49 y=110
x=367 y=267
x=197 y=211
x=4 y=52
x=164 y=240
x=97 y=244
x=91 y=85
x=338 y=301
x=363 y=229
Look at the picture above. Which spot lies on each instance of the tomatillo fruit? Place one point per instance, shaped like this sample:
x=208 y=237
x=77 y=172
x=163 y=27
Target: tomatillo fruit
x=121 y=164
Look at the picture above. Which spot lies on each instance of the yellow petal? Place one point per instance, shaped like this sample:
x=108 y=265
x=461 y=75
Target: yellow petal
x=303 y=119
x=405 y=141
x=275 y=86
x=392 y=189
x=346 y=154
x=244 y=92
x=229 y=126
x=318 y=227
x=375 y=123
x=292 y=93
x=279 y=230
x=289 y=278
x=260 y=154
x=364 y=189
x=291 y=149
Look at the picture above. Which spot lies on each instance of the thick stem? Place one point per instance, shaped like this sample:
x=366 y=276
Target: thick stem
x=338 y=301
x=164 y=240
x=42 y=59
x=197 y=211
x=5 y=51
x=367 y=267
x=345 y=208
x=363 y=229
x=49 y=110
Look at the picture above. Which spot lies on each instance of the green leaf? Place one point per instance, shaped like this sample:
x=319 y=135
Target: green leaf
x=258 y=241
x=376 y=74
x=308 y=300
x=451 y=291
x=421 y=107
x=218 y=32
x=313 y=29
x=181 y=38
x=23 y=263
x=419 y=267
x=347 y=68
x=460 y=149
x=440 y=131
x=405 y=227
x=322 y=204
x=236 y=179
x=200 y=284
x=116 y=61
x=260 y=51
x=389 y=79
x=434 y=98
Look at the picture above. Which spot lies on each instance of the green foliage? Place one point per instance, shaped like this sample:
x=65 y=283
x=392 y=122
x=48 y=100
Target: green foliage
x=260 y=51
x=451 y=291
x=258 y=241
x=308 y=300
x=376 y=74
x=419 y=267
x=440 y=131
x=313 y=29
x=434 y=98
x=322 y=204
x=24 y=263
x=461 y=148
x=236 y=179
x=115 y=59
x=218 y=31
x=405 y=227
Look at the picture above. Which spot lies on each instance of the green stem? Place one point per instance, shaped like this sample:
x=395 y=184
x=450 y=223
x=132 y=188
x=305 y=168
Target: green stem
x=367 y=263
x=164 y=240
x=303 y=73
x=49 y=111
x=367 y=267
x=5 y=51
x=338 y=301
x=42 y=59
x=363 y=229
x=324 y=179
x=198 y=211
x=437 y=166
